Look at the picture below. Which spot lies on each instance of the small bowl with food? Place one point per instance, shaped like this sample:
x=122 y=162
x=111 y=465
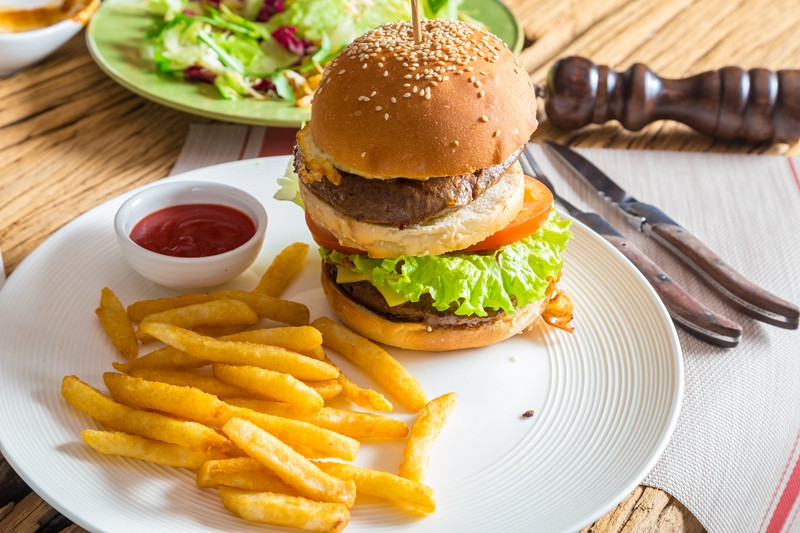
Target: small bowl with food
x=190 y=234
x=31 y=30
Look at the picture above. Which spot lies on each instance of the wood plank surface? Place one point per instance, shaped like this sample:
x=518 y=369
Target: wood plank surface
x=71 y=138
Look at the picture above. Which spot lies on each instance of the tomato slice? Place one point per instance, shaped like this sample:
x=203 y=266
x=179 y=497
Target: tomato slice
x=535 y=212
x=326 y=239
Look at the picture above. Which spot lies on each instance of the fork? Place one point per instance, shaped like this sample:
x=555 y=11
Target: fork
x=686 y=311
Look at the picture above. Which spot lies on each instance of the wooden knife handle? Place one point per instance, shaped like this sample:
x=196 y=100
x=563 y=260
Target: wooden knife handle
x=748 y=297
x=730 y=103
x=685 y=310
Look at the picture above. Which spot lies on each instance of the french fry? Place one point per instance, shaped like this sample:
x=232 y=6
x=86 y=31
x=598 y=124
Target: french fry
x=117 y=443
x=311 y=441
x=284 y=510
x=242 y=473
x=316 y=353
x=115 y=322
x=366 y=398
x=294 y=338
x=163 y=357
x=327 y=388
x=187 y=378
x=376 y=361
x=241 y=353
x=424 y=431
x=293 y=469
x=193 y=404
x=285 y=311
x=219 y=331
x=126 y=419
x=283 y=269
x=275 y=385
x=406 y=492
x=355 y=424
x=213 y=313
x=188 y=403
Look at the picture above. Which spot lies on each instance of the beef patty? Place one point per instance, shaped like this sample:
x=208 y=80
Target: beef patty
x=366 y=295
x=401 y=201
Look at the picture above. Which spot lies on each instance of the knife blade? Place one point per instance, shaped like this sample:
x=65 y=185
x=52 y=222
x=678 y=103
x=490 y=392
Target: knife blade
x=686 y=311
x=739 y=291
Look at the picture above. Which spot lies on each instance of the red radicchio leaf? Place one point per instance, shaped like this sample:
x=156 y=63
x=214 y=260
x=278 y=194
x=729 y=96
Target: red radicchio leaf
x=196 y=73
x=286 y=36
x=264 y=86
x=269 y=8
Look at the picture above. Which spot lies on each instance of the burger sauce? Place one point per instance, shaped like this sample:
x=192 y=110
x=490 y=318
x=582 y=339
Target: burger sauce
x=193 y=230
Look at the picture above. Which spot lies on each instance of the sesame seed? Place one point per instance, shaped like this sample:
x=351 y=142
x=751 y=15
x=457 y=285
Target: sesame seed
x=407 y=95
x=386 y=116
x=342 y=72
x=484 y=118
x=373 y=93
x=394 y=100
x=378 y=108
x=385 y=73
x=497 y=133
x=363 y=154
x=364 y=66
x=456 y=143
x=480 y=94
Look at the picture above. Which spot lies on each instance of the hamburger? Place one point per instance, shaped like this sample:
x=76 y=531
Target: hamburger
x=430 y=235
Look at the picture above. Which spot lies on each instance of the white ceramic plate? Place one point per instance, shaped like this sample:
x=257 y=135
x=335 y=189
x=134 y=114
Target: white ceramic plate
x=605 y=398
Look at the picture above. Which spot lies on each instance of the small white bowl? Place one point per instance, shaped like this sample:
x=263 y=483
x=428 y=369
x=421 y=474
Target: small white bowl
x=188 y=272
x=22 y=49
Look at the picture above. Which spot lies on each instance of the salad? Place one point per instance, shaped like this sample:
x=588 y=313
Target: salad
x=265 y=49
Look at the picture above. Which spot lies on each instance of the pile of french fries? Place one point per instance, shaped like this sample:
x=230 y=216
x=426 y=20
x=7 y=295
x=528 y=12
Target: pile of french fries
x=247 y=406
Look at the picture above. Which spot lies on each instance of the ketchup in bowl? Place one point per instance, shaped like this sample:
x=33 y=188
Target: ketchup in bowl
x=193 y=230
x=190 y=234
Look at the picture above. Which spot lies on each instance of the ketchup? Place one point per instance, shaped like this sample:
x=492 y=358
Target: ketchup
x=193 y=230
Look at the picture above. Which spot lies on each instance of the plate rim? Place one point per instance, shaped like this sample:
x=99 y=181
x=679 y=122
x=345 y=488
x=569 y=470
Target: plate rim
x=654 y=454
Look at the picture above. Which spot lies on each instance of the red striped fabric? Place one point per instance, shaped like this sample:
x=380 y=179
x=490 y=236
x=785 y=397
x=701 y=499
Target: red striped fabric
x=785 y=504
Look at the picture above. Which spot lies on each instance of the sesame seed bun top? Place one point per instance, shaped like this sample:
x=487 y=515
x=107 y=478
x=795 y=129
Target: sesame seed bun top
x=457 y=102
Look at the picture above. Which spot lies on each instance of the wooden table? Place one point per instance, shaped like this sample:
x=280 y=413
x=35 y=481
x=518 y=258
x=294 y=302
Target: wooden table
x=70 y=138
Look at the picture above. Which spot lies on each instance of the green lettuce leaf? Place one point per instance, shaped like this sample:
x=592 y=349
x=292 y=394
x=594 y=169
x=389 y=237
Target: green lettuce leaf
x=504 y=279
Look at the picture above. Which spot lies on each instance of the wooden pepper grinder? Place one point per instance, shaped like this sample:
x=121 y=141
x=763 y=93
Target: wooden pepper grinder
x=730 y=103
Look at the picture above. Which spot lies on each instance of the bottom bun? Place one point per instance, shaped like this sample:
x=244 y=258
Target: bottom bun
x=417 y=335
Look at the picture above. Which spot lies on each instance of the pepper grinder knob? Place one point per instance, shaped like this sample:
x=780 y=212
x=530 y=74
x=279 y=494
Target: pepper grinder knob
x=730 y=103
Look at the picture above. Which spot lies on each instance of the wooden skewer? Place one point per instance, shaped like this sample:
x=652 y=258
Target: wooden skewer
x=415 y=21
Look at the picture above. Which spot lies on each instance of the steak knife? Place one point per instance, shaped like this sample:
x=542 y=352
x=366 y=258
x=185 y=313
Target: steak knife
x=686 y=311
x=742 y=293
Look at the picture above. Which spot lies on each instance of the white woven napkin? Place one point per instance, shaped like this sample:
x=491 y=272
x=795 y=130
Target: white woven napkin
x=733 y=458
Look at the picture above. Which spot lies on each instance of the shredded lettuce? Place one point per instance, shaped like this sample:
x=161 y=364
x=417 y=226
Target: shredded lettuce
x=504 y=279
